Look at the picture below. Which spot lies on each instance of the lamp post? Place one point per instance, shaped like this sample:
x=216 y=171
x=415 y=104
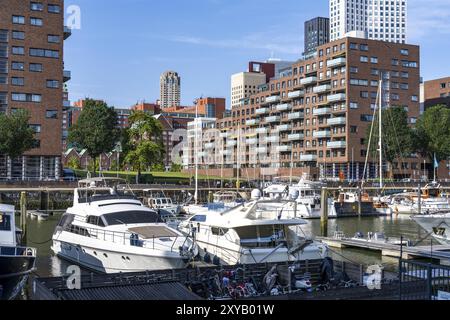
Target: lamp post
x=118 y=150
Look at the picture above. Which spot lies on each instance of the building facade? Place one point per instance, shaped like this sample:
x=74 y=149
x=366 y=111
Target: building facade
x=244 y=84
x=32 y=76
x=437 y=92
x=170 y=83
x=314 y=119
x=384 y=20
x=317 y=33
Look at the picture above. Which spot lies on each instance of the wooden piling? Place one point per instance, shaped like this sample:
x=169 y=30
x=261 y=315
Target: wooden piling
x=359 y=202
x=23 y=217
x=324 y=214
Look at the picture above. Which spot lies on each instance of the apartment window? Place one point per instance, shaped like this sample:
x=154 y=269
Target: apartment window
x=18 y=19
x=36 y=22
x=443 y=85
x=395 y=62
x=353 y=129
x=414 y=98
x=18 y=66
x=54 y=8
x=36 y=128
x=3 y=79
x=26 y=97
x=51 y=114
x=53 y=39
x=3 y=51
x=364 y=59
x=364 y=47
x=36 y=67
x=36 y=6
x=354 y=69
x=354 y=105
x=366 y=118
x=3 y=66
x=404 y=75
x=364 y=94
x=18 y=81
x=18 y=35
x=4 y=36
x=404 y=86
x=353 y=46
x=18 y=50
x=374 y=59
x=44 y=53
x=404 y=52
x=53 y=84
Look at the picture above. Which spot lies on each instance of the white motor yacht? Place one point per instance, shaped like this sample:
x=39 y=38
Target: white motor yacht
x=438 y=225
x=254 y=232
x=110 y=231
x=16 y=262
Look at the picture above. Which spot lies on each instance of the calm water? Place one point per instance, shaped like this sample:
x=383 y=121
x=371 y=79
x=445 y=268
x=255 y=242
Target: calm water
x=40 y=233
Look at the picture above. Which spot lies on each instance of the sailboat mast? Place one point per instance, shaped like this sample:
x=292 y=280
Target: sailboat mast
x=196 y=154
x=380 y=141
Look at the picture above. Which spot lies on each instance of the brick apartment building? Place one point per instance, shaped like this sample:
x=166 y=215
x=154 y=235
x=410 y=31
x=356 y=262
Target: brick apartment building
x=32 y=76
x=437 y=92
x=317 y=114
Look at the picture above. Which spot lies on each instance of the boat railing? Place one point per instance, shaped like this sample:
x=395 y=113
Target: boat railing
x=17 y=252
x=125 y=238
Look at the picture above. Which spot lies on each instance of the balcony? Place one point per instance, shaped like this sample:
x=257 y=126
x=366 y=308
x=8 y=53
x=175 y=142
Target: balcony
x=209 y=145
x=308 y=81
x=337 y=145
x=231 y=143
x=284 y=127
x=337 y=121
x=225 y=134
x=284 y=107
x=227 y=152
x=273 y=139
x=271 y=99
x=262 y=130
x=296 y=116
x=322 y=89
x=67 y=32
x=252 y=123
x=322 y=134
x=261 y=150
x=284 y=148
x=296 y=137
x=262 y=111
x=296 y=94
x=338 y=62
x=308 y=158
x=251 y=141
x=336 y=97
x=273 y=119
x=321 y=111
x=67 y=75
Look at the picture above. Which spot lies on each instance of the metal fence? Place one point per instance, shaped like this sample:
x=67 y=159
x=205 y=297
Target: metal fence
x=424 y=281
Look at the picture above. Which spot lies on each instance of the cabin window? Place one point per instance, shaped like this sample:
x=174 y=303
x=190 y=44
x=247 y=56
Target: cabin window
x=96 y=221
x=5 y=222
x=199 y=218
x=261 y=236
x=219 y=231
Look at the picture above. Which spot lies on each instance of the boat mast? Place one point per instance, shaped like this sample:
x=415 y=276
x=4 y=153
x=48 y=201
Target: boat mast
x=238 y=163
x=196 y=154
x=380 y=128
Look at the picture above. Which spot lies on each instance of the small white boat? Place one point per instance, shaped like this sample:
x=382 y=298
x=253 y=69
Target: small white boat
x=379 y=237
x=40 y=215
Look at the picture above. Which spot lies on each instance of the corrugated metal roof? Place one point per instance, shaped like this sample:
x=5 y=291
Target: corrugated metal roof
x=157 y=291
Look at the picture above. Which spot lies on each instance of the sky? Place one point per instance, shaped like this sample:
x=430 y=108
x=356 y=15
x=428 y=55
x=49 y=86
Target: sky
x=122 y=47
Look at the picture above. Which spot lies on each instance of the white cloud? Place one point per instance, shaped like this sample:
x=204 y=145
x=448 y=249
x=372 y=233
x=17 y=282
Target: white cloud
x=428 y=18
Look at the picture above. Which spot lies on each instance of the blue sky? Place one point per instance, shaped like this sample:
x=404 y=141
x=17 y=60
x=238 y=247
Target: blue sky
x=123 y=46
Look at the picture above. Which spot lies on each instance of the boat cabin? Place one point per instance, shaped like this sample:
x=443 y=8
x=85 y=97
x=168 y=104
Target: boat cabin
x=7 y=227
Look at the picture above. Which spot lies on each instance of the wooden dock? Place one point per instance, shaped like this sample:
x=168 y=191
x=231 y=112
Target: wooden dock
x=435 y=252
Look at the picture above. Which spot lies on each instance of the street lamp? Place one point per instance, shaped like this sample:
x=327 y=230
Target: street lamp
x=118 y=150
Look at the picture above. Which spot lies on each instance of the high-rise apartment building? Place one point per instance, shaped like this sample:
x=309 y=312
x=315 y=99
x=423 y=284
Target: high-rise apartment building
x=385 y=20
x=32 y=76
x=314 y=119
x=170 y=83
x=317 y=33
x=436 y=92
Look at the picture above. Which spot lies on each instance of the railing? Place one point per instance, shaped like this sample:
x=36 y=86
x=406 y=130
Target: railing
x=123 y=238
x=17 y=252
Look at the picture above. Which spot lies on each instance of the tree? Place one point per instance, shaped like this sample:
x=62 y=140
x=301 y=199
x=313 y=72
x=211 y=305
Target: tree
x=96 y=129
x=433 y=133
x=397 y=135
x=74 y=163
x=145 y=146
x=176 y=167
x=16 y=136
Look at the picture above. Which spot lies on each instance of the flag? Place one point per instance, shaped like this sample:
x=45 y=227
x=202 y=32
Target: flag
x=436 y=163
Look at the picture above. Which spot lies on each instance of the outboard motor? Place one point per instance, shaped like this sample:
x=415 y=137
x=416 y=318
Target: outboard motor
x=256 y=194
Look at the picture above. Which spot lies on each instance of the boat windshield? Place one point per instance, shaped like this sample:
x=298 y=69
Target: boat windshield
x=132 y=217
x=268 y=236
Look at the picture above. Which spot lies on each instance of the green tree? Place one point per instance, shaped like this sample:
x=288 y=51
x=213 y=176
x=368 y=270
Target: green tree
x=16 y=136
x=433 y=133
x=96 y=129
x=397 y=135
x=74 y=163
x=144 y=146
x=176 y=167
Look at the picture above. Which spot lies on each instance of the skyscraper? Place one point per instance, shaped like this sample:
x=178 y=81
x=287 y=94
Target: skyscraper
x=170 y=83
x=32 y=77
x=384 y=20
x=317 y=33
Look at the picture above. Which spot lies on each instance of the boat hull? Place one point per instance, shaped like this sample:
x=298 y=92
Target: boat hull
x=350 y=209
x=109 y=261
x=438 y=226
x=14 y=271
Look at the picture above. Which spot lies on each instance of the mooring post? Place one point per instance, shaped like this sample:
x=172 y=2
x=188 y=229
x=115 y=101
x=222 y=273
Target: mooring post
x=359 y=201
x=324 y=215
x=23 y=217
x=419 y=203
